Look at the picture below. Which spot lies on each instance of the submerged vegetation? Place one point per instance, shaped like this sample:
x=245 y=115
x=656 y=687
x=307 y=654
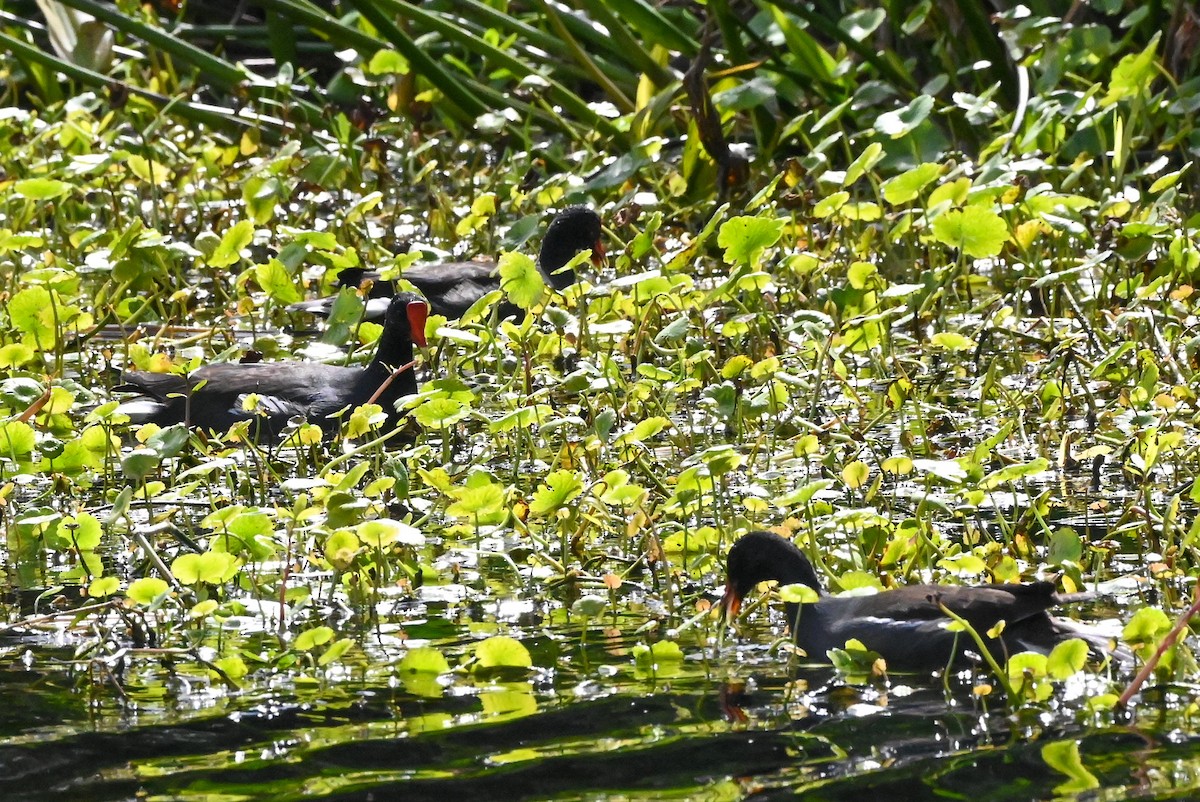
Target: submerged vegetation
x=914 y=285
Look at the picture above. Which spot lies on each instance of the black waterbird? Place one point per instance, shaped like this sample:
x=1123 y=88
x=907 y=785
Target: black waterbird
x=213 y=397
x=907 y=626
x=452 y=287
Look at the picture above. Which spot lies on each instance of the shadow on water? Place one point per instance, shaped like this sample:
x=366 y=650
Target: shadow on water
x=689 y=737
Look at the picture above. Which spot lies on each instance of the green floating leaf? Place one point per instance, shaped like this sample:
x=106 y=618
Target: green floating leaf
x=907 y=186
x=589 y=606
x=657 y=654
x=745 y=238
x=521 y=417
x=859 y=582
x=103 y=587
x=147 y=590
x=211 y=567
x=520 y=279
x=229 y=251
x=560 y=488
x=310 y=639
x=854 y=659
x=423 y=660
x=383 y=532
x=1067 y=658
x=170 y=441
x=645 y=429
x=799 y=594
x=501 y=651
x=962 y=564
x=952 y=341
x=1065 y=547
x=1146 y=626
x=233 y=667
x=336 y=651
x=801 y=496
x=904 y=121
x=1011 y=473
x=41 y=188
x=15 y=355
x=977 y=231
x=946 y=469
x=17 y=439
x=479 y=500
x=31 y=311
x=441 y=413
x=276 y=281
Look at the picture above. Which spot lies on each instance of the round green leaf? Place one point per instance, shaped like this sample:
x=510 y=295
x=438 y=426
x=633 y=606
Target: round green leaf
x=17 y=438
x=473 y=501
x=103 y=587
x=147 y=590
x=424 y=659
x=977 y=231
x=745 y=238
x=903 y=121
x=520 y=279
x=384 y=532
x=589 y=606
x=560 y=488
x=229 y=251
x=336 y=651
x=275 y=279
x=41 y=188
x=310 y=639
x=31 y=311
x=440 y=413
x=952 y=341
x=799 y=594
x=908 y=185
x=1067 y=659
x=501 y=651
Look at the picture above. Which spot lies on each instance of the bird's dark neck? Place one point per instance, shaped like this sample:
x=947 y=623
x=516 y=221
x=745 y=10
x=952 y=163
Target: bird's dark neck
x=395 y=349
x=797 y=570
x=553 y=256
x=793 y=568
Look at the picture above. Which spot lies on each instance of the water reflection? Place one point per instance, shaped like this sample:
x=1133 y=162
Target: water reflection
x=743 y=727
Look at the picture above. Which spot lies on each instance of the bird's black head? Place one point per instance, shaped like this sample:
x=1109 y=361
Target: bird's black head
x=351 y=277
x=574 y=229
x=760 y=556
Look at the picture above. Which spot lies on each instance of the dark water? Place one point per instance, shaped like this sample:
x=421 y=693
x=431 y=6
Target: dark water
x=740 y=726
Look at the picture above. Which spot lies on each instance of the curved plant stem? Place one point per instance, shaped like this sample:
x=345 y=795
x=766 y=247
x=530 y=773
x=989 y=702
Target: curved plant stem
x=1000 y=674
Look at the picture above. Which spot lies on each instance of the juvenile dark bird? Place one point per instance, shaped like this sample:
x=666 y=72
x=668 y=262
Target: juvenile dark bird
x=213 y=397
x=906 y=626
x=452 y=287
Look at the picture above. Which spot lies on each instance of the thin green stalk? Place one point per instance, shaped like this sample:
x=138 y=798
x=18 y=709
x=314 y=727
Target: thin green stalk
x=1001 y=675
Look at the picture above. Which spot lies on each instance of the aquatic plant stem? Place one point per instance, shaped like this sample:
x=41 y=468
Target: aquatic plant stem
x=333 y=463
x=1001 y=674
x=1166 y=644
x=46 y=619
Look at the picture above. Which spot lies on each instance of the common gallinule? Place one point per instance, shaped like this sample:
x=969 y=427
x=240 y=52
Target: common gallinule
x=213 y=396
x=905 y=626
x=452 y=287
